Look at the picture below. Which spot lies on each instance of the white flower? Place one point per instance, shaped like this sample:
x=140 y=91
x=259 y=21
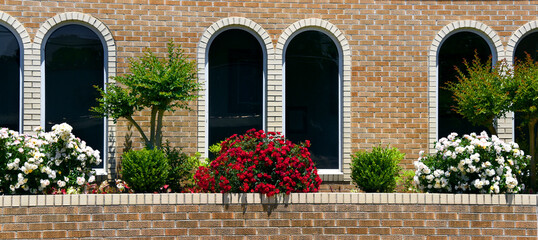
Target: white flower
x=63 y=131
x=61 y=183
x=478 y=184
x=452 y=136
x=511 y=182
x=437 y=184
x=91 y=179
x=437 y=173
x=81 y=157
x=44 y=183
x=448 y=154
x=475 y=157
x=80 y=181
x=426 y=170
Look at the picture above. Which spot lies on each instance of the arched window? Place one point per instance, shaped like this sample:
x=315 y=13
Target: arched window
x=527 y=45
x=10 y=68
x=312 y=95
x=74 y=62
x=236 y=84
x=457 y=47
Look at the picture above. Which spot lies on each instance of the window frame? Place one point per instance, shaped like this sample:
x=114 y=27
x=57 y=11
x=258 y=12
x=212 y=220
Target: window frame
x=494 y=59
x=98 y=171
x=339 y=170
x=207 y=77
x=21 y=74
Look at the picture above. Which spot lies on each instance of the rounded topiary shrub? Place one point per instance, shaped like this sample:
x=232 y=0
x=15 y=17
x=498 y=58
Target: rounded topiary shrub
x=472 y=164
x=376 y=171
x=145 y=170
x=262 y=163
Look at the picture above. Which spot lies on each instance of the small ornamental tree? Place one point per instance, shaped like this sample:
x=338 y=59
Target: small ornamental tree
x=262 y=163
x=479 y=94
x=487 y=92
x=155 y=83
x=525 y=101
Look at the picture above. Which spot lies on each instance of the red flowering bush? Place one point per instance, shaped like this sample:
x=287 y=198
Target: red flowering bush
x=262 y=163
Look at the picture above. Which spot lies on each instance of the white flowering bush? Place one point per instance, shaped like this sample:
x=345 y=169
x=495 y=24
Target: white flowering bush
x=49 y=162
x=472 y=164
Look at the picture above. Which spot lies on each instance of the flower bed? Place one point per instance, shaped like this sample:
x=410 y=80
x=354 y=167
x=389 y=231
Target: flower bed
x=49 y=162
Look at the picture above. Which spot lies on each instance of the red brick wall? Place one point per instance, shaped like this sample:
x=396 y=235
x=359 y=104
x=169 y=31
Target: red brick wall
x=299 y=216
x=389 y=41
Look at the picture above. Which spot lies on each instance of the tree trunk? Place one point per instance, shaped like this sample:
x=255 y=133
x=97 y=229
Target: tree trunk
x=532 y=146
x=132 y=121
x=151 y=144
x=158 y=137
x=492 y=130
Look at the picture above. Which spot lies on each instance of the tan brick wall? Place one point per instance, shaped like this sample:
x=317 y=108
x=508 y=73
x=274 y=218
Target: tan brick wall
x=390 y=44
x=250 y=216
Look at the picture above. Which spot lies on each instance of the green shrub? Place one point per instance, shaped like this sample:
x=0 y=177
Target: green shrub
x=405 y=182
x=376 y=171
x=182 y=168
x=145 y=170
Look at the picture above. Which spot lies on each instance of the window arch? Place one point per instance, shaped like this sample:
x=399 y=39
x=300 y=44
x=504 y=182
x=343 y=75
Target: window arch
x=11 y=69
x=474 y=30
x=236 y=86
x=312 y=94
x=454 y=49
x=211 y=33
x=74 y=59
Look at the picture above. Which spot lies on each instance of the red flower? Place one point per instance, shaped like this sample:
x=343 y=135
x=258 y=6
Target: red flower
x=260 y=162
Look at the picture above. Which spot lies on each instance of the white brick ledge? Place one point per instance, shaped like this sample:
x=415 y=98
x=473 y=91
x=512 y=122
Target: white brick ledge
x=254 y=198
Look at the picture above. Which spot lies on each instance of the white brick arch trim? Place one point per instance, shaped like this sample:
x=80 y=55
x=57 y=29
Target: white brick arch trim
x=497 y=50
x=345 y=87
x=23 y=38
x=109 y=45
x=517 y=36
x=202 y=59
x=85 y=20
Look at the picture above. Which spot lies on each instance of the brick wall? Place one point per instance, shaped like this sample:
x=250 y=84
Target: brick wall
x=250 y=216
x=392 y=48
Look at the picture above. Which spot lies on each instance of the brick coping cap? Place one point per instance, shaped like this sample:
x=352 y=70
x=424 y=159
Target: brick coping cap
x=254 y=198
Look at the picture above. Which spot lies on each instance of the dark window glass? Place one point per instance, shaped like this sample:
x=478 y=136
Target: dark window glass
x=527 y=45
x=235 y=84
x=455 y=49
x=312 y=75
x=74 y=63
x=10 y=79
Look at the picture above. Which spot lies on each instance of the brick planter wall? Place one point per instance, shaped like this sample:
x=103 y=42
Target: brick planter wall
x=251 y=216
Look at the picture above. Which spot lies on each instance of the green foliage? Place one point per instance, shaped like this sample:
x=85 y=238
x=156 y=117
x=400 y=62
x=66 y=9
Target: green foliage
x=145 y=170
x=486 y=93
x=480 y=94
x=155 y=83
x=524 y=90
x=182 y=168
x=376 y=171
x=406 y=183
